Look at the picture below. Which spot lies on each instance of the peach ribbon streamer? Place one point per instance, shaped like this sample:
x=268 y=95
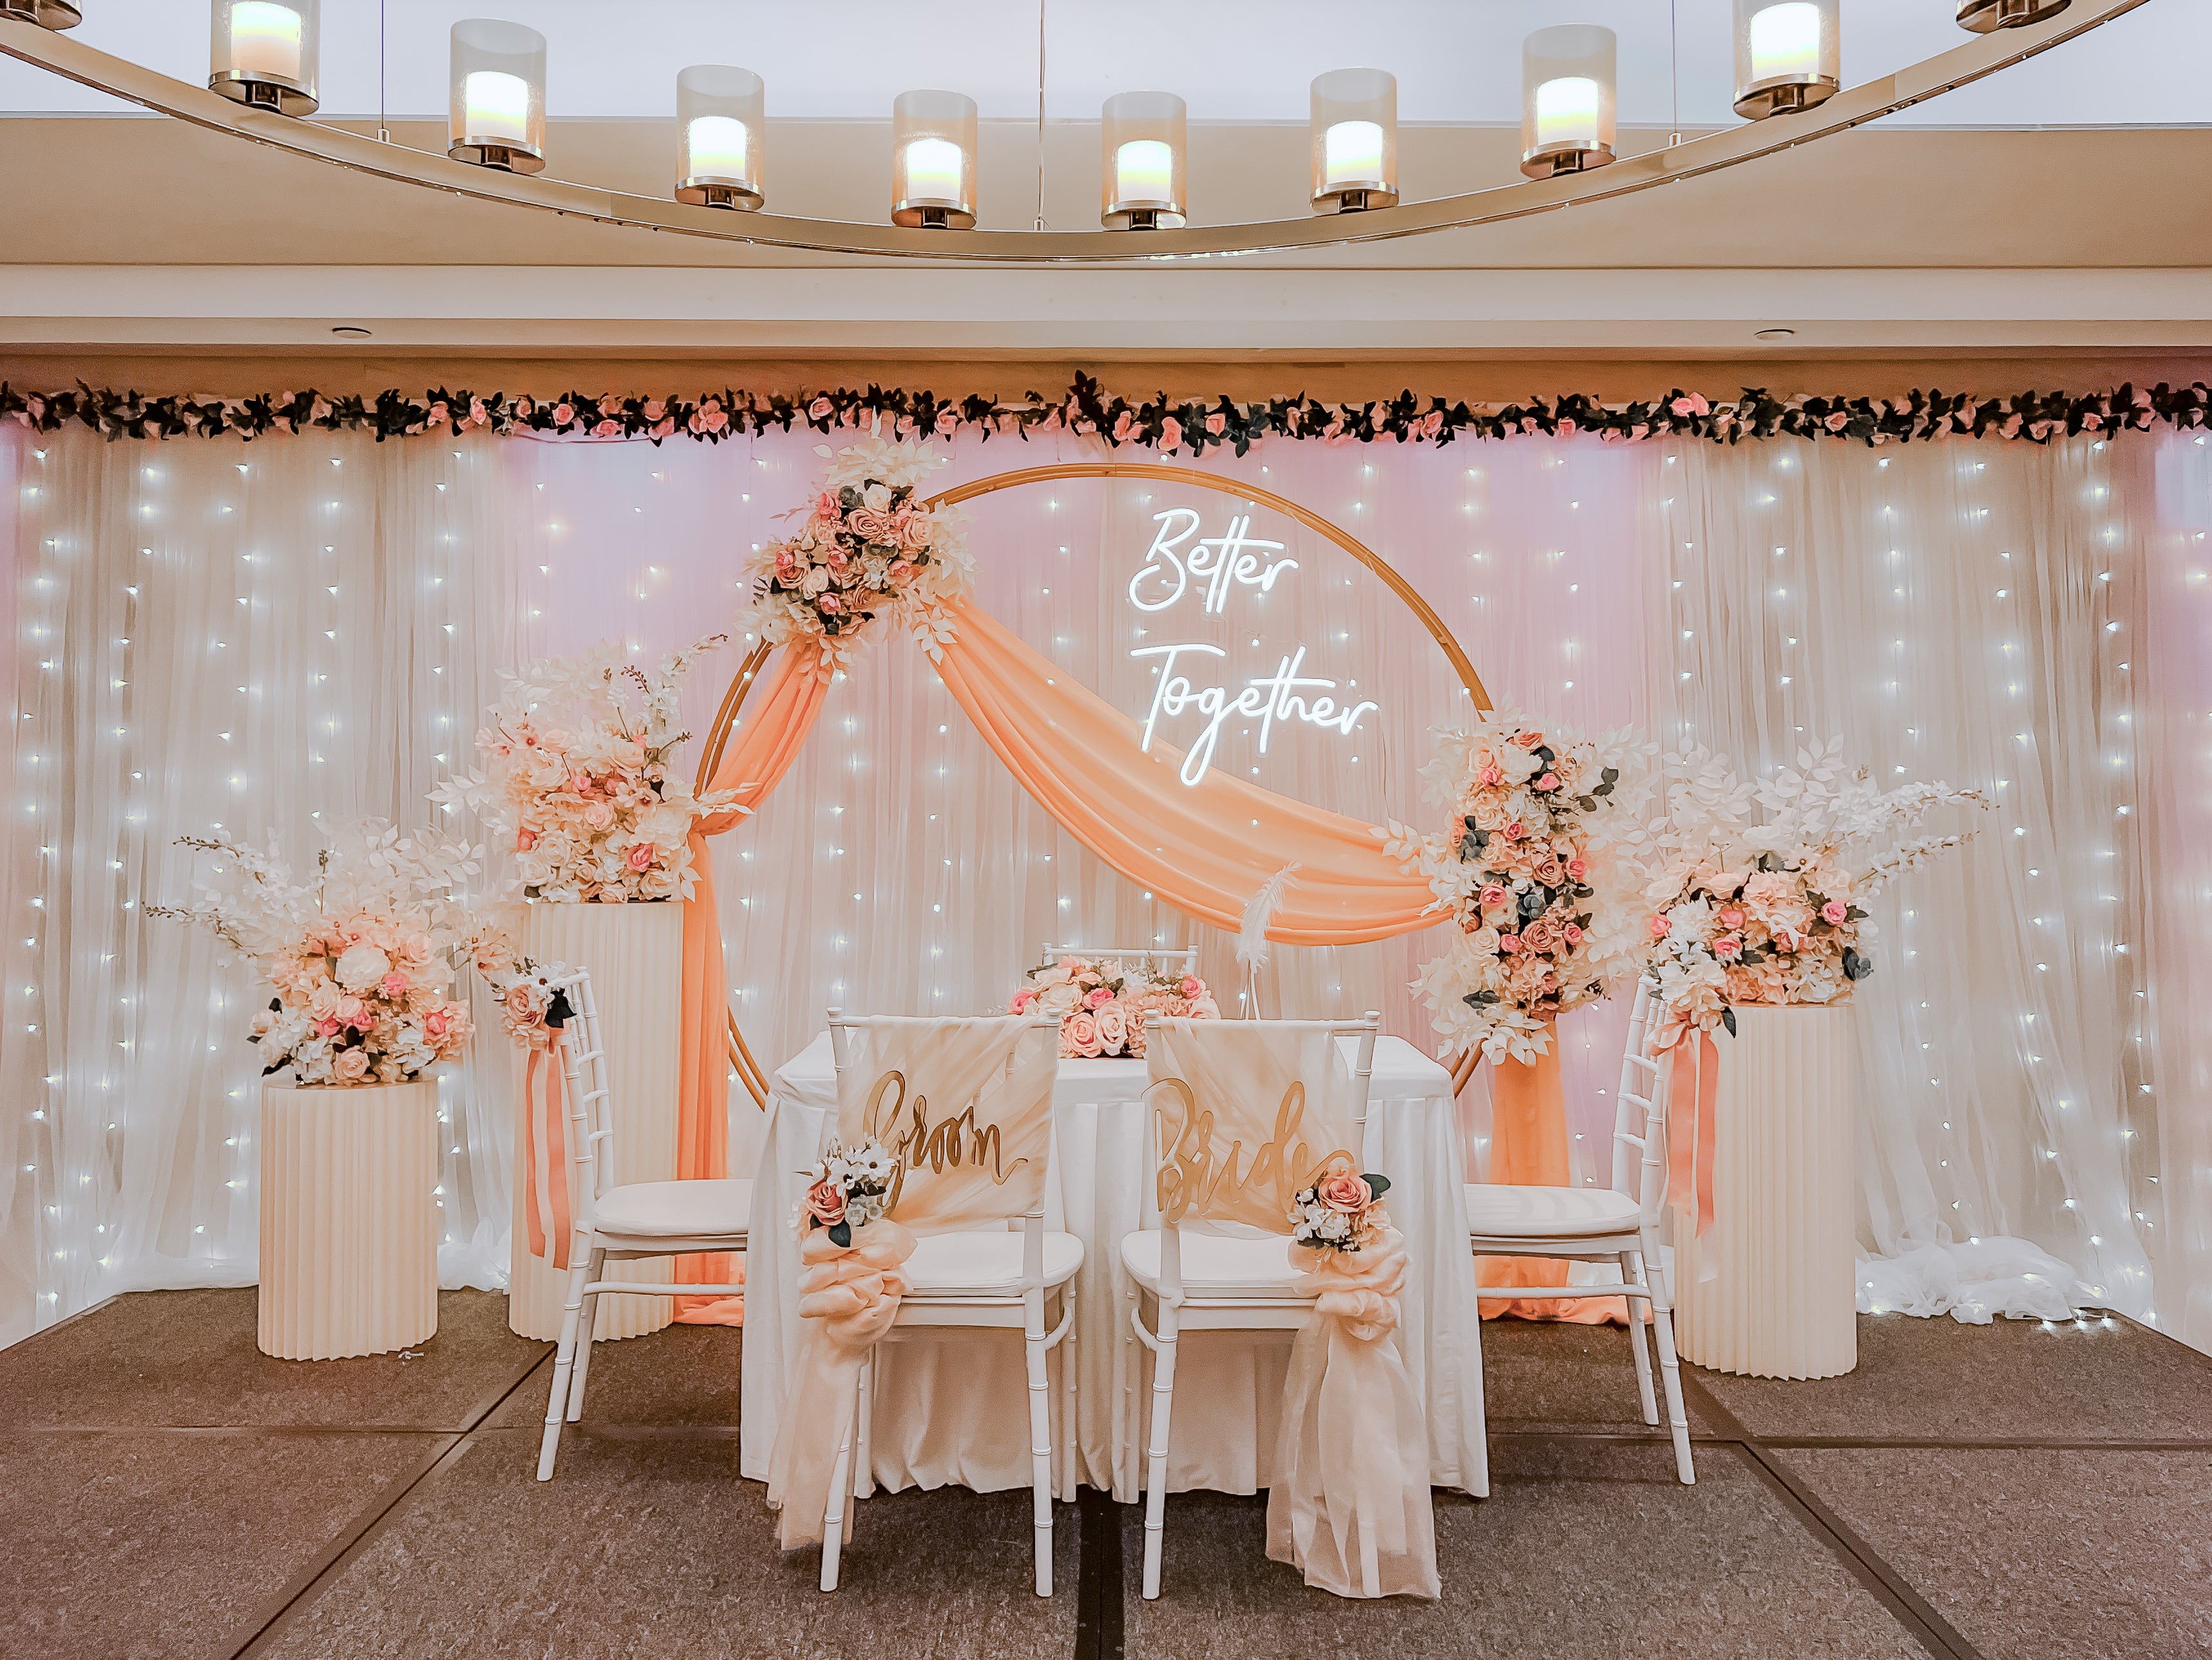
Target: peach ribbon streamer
x=551 y=1175
x=786 y=701
x=1690 y=1157
x=1350 y=1508
x=848 y=1295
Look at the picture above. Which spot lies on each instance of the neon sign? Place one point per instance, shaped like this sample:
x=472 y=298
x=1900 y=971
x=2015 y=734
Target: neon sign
x=1181 y=565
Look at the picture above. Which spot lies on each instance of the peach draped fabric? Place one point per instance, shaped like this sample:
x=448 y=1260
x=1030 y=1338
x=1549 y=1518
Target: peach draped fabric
x=787 y=701
x=1528 y=1148
x=1205 y=848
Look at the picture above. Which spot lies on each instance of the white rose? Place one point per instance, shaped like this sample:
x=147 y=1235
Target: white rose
x=362 y=967
x=815 y=582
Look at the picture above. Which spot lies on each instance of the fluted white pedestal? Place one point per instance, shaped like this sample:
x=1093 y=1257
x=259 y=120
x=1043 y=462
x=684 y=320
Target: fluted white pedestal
x=635 y=956
x=348 y=1219
x=1782 y=1301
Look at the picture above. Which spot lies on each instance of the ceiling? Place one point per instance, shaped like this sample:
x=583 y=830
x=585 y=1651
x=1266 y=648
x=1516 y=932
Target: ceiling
x=1983 y=235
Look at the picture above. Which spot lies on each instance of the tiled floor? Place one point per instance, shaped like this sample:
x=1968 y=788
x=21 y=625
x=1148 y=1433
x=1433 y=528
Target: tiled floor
x=2005 y=1491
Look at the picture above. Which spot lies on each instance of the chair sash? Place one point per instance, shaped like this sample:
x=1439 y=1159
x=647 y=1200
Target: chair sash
x=1350 y=1508
x=1248 y=1114
x=966 y=1107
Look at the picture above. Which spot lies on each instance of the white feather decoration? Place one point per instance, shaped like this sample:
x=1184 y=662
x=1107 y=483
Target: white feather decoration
x=1252 y=937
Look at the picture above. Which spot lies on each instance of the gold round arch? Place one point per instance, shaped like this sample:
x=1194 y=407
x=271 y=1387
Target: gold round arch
x=748 y=1068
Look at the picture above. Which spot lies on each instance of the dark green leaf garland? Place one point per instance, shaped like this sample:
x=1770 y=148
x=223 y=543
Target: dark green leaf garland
x=1192 y=426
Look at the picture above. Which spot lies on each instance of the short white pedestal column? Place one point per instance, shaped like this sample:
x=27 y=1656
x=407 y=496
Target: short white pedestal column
x=348 y=1219
x=635 y=956
x=1782 y=1300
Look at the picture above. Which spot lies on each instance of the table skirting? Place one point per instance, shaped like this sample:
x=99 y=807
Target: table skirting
x=951 y=1408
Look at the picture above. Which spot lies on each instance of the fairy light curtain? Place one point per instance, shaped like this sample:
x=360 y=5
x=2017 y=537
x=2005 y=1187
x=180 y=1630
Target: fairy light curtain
x=899 y=867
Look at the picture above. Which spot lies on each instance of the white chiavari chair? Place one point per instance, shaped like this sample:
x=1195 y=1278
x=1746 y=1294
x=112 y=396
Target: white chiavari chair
x=1198 y=1278
x=988 y=1280
x=620 y=1222
x=1618 y=1223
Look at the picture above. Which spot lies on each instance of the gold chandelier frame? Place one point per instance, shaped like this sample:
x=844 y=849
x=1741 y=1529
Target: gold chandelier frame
x=743 y=1061
x=1982 y=56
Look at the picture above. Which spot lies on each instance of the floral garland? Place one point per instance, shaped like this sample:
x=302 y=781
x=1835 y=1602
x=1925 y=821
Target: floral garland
x=1536 y=873
x=867 y=548
x=1191 y=425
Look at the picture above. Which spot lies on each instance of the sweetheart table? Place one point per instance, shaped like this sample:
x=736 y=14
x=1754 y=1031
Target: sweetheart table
x=951 y=1410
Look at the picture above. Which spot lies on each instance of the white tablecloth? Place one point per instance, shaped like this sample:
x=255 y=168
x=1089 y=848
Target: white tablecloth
x=950 y=1410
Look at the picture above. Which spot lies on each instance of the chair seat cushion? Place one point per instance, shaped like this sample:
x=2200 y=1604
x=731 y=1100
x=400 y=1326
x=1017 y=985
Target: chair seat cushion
x=677 y=1210
x=985 y=1263
x=1216 y=1265
x=1496 y=1211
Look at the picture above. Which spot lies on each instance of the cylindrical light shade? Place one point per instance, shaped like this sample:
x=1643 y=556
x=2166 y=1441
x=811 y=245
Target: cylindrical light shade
x=1142 y=156
x=1566 y=100
x=1355 y=140
x=1788 y=56
x=1984 y=16
x=264 y=54
x=720 y=122
x=499 y=95
x=56 y=14
x=933 y=160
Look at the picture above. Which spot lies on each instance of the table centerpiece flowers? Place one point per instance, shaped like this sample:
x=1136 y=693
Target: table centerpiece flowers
x=1102 y=1008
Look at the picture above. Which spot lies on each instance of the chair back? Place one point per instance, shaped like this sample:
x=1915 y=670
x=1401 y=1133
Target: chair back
x=1246 y=1112
x=964 y=1103
x=583 y=1062
x=1123 y=958
x=1639 y=1126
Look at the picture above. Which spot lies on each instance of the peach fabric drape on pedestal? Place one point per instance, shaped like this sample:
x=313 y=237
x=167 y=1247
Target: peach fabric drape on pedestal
x=760 y=752
x=1528 y=1148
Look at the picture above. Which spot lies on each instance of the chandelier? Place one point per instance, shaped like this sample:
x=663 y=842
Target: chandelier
x=262 y=82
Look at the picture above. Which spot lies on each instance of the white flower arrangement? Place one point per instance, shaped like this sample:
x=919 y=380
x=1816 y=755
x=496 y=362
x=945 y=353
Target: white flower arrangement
x=578 y=783
x=1342 y=1210
x=361 y=955
x=868 y=548
x=851 y=1187
x=1542 y=872
x=1770 y=912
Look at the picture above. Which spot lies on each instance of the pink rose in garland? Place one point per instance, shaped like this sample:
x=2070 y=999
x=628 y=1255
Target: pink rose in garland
x=866 y=549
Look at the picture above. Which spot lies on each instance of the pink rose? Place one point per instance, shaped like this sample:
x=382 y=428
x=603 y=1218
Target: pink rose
x=1079 y=1035
x=1572 y=934
x=1508 y=943
x=948 y=421
x=1835 y=911
x=654 y=408
x=1020 y=1002
x=1837 y=422
x=1098 y=998
x=433 y=1024
x=1659 y=928
x=830 y=604
x=1527 y=740
x=1493 y=896
x=1489 y=775
x=2090 y=422
x=601 y=815
x=1113 y=1028
x=523 y=408
x=395 y=985
x=1170 y=433
x=819 y=409
x=327 y=1026
x=1514 y=829
x=351 y=1066
x=1727 y=946
x=1432 y=424
x=1192 y=986
x=1121 y=427
x=643 y=855
x=525 y=839
x=1216 y=424
x=478 y=416
x=439 y=414
x=1342 y=1191
x=825 y=1203
x=787 y=562
x=1550 y=781
x=564 y=414
x=1568 y=429
x=1731 y=918
x=1577 y=867
x=606 y=429
x=870 y=525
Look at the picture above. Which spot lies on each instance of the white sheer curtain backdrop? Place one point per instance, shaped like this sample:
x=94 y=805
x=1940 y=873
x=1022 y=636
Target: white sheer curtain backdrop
x=899 y=868
x=1971 y=612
